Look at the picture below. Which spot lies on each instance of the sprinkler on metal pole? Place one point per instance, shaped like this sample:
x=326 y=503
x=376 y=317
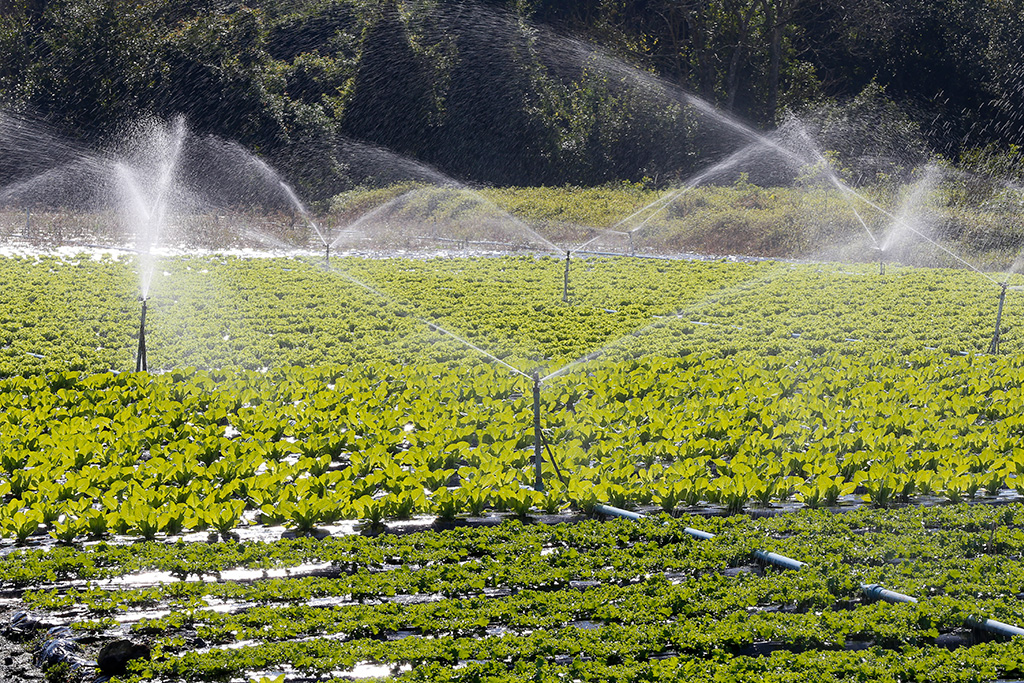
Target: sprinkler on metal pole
x=881 y=260
x=327 y=258
x=141 y=363
x=994 y=347
x=538 y=438
x=565 y=288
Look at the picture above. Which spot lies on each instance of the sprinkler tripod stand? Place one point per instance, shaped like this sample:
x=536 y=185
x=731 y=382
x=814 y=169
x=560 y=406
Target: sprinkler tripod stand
x=141 y=361
x=994 y=346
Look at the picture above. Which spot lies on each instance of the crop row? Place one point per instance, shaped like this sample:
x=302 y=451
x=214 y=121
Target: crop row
x=960 y=562
x=146 y=455
x=587 y=597
x=870 y=530
x=60 y=314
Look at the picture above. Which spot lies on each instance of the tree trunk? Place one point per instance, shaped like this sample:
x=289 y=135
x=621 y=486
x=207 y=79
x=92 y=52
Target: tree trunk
x=777 y=14
x=697 y=27
x=773 y=73
x=744 y=18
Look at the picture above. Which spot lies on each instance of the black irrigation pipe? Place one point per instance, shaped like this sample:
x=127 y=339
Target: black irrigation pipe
x=872 y=590
x=654 y=257
x=476 y=243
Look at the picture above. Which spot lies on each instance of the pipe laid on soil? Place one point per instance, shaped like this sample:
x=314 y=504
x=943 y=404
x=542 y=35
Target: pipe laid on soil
x=993 y=626
x=876 y=592
x=871 y=590
x=771 y=558
x=778 y=560
x=618 y=512
x=698 y=534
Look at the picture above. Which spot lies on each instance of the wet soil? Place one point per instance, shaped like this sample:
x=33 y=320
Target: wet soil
x=15 y=661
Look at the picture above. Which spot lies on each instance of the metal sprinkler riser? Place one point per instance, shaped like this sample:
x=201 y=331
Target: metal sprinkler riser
x=538 y=456
x=994 y=346
x=141 y=361
x=881 y=260
x=565 y=287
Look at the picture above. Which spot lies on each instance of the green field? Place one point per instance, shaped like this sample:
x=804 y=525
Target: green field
x=287 y=402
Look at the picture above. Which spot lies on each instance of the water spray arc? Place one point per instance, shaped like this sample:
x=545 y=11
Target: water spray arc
x=141 y=359
x=538 y=435
x=655 y=207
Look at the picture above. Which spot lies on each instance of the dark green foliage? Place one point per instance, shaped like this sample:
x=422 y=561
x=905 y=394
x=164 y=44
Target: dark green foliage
x=485 y=95
x=391 y=103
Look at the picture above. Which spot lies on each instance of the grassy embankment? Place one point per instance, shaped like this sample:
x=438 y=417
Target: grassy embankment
x=814 y=221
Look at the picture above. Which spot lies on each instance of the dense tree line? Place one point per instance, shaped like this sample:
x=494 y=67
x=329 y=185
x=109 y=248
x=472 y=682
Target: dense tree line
x=515 y=91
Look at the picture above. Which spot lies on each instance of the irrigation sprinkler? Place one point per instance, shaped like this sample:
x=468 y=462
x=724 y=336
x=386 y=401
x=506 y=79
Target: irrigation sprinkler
x=538 y=446
x=141 y=364
x=565 y=287
x=994 y=347
x=881 y=260
x=327 y=258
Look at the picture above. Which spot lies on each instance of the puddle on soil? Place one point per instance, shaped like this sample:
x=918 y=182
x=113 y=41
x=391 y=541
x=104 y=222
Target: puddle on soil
x=586 y=625
x=359 y=671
